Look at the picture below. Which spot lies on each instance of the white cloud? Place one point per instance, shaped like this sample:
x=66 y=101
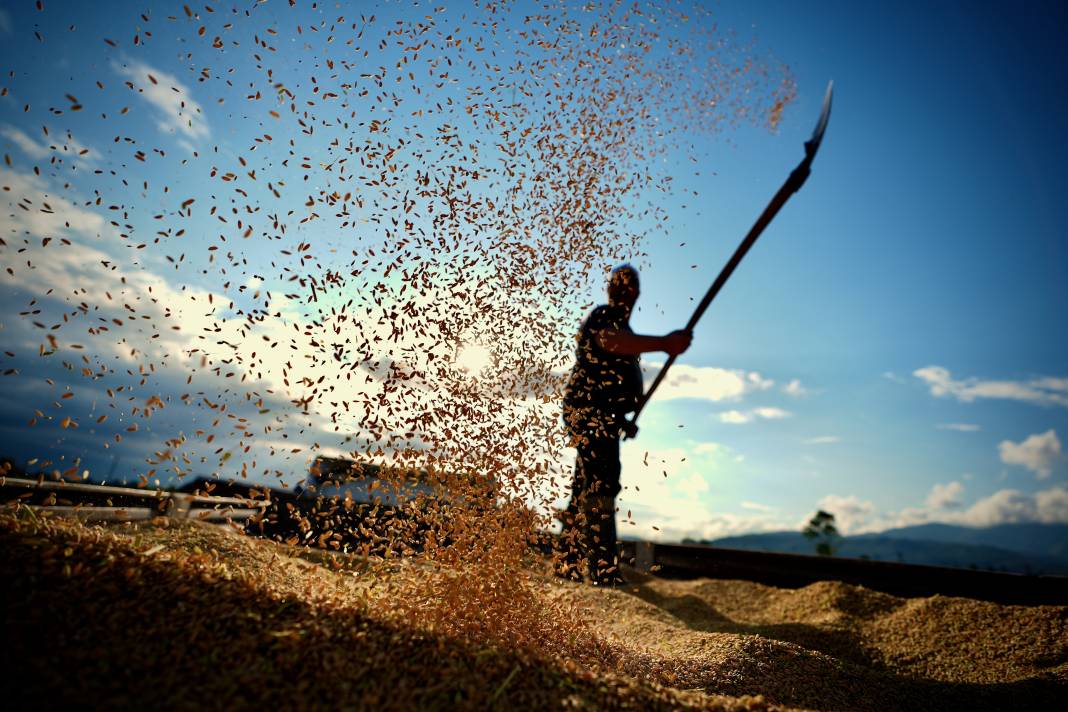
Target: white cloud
x=62 y=217
x=717 y=450
x=1041 y=391
x=85 y=271
x=822 y=440
x=738 y=417
x=772 y=413
x=959 y=427
x=705 y=382
x=683 y=503
x=178 y=112
x=850 y=513
x=1051 y=505
x=758 y=382
x=1006 y=506
x=794 y=388
x=709 y=448
x=693 y=486
x=945 y=496
x=1037 y=453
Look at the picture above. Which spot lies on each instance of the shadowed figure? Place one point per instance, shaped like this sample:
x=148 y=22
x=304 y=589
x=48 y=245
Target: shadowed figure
x=605 y=384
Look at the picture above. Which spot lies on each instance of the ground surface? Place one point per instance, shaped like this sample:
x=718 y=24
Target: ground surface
x=193 y=616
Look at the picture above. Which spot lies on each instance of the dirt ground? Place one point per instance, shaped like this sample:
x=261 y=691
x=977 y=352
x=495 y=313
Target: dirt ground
x=183 y=616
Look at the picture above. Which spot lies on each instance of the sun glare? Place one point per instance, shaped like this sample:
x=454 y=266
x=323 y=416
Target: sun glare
x=473 y=358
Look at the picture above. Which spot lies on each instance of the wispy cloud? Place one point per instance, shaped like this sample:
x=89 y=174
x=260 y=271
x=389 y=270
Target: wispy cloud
x=69 y=147
x=771 y=413
x=822 y=440
x=959 y=427
x=738 y=417
x=75 y=149
x=177 y=111
x=1037 y=453
x=6 y=26
x=24 y=141
x=710 y=448
x=795 y=389
x=1041 y=391
x=151 y=319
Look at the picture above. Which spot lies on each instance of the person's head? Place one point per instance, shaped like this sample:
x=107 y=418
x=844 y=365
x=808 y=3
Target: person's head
x=623 y=286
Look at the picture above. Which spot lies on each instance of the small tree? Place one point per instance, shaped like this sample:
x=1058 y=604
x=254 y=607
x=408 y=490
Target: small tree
x=821 y=530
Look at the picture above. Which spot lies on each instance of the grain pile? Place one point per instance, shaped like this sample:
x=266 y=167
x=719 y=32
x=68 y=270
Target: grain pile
x=189 y=615
x=193 y=616
x=836 y=646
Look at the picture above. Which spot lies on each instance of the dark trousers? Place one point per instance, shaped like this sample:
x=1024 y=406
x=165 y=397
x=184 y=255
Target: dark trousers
x=589 y=522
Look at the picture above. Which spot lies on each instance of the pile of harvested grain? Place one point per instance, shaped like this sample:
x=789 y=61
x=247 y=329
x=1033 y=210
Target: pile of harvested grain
x=836 y=646
x=190 y=615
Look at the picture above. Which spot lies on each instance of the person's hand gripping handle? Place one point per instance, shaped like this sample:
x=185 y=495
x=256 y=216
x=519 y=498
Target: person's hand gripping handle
x=677 y=342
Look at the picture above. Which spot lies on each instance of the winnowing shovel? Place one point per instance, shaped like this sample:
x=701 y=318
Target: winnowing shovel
x=792 y=185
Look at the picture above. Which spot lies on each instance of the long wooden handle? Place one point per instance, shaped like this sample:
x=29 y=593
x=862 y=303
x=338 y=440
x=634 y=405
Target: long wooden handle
x=793 y=183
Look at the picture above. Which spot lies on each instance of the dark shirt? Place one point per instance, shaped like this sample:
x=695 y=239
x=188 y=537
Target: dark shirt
x=603 y=383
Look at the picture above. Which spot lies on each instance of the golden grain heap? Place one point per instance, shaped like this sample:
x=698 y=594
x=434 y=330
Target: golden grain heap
x=182 y=615
x=360 y=198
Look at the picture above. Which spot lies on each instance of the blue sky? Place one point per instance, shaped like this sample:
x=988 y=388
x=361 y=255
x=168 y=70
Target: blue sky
x=893 y=348
x=930 y=234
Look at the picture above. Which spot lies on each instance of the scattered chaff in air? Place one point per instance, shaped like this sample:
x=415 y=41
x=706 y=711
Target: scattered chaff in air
x=360 y=236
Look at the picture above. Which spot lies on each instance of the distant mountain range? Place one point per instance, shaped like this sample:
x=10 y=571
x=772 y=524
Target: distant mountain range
x=1018 y=548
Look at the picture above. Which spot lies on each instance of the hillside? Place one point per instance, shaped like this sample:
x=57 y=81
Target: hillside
x=149 y=615
x=1032 y=539
x=1018 y=548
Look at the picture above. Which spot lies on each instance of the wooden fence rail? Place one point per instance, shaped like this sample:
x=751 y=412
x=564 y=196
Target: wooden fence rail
x=121 y=504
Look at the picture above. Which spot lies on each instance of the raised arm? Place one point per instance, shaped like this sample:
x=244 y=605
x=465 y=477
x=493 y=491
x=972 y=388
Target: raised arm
x=625 y=343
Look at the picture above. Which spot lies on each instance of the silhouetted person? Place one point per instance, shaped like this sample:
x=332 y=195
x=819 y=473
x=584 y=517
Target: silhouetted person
x=605 y=384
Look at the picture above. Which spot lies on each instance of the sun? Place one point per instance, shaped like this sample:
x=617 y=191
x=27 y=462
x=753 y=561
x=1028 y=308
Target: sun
x=473 y=358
